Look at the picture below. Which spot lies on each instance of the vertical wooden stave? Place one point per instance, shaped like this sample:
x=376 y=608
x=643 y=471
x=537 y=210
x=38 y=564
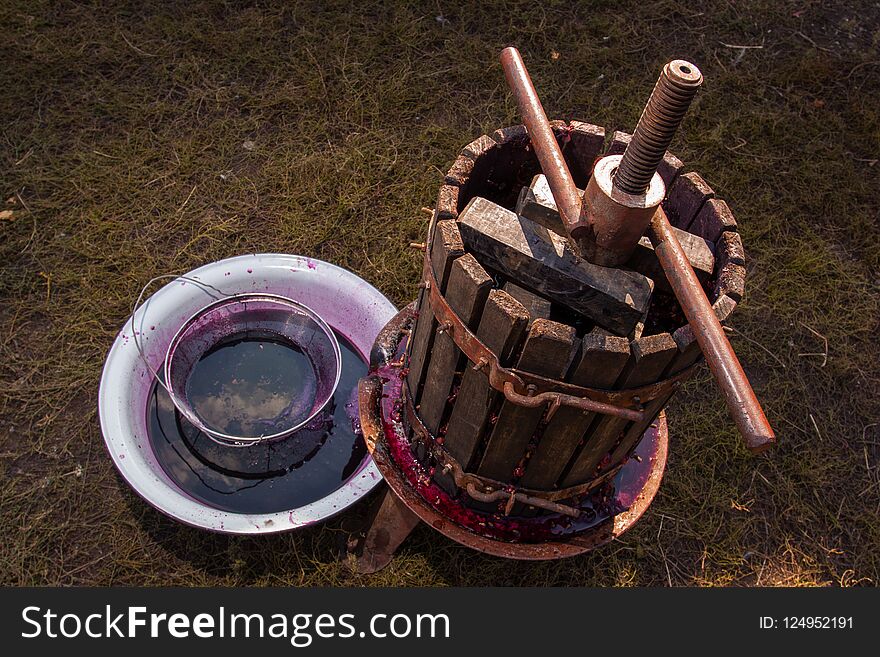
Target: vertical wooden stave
x=468 y=289
x=501 y=329
x=446 y=246
x=546 y=352
x=650 y=355
x=600 y=361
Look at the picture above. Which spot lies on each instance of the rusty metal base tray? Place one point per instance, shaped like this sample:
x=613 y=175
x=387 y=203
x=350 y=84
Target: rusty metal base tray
x=634 y=487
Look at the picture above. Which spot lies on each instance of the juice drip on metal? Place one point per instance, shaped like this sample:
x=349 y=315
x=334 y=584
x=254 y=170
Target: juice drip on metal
x=268 y=477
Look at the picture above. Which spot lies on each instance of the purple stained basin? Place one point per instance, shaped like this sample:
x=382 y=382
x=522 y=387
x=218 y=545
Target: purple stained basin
x=350 y=305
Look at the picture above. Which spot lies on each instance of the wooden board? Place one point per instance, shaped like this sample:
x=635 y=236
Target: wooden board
x=547 y=352
x=445 y=248
x=447 y=202
x=501 y=329
x=536 y=202
x=730 y=249
x=650 y=355
x=460 y=171
x=538 y=307
x=478 y=147
x=581 y=148
x=545 y=263
x=731 y=281
x=713 y=220
x=516 y=134
x=466 y=293
x=686 y=198
x=598 y=364
x=697 y=250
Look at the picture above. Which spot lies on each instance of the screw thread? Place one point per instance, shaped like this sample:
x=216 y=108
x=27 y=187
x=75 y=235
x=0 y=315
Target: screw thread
x=669 y=102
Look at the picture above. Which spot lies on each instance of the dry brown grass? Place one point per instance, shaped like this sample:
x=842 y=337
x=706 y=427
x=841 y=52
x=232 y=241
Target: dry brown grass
x=123 y=127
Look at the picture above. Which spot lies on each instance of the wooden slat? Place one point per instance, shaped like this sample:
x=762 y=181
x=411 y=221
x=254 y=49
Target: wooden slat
x=546 y=352
x=731 y=281
x=688 y=353
x=460 y=171
x=584 y=143
x=698 y=251
x=686 y=198
x=669 y=167
x=538 y=307
x=445 y=248
x=650 y=355
x=713 y=220
x=688 y=349
x=599 y=363
x=545 y=263
x=511 y=134
x=447 y=202
x=466 y=294
x=478 y=147
x=501 y=329
x=730 y=249
x=731 y=257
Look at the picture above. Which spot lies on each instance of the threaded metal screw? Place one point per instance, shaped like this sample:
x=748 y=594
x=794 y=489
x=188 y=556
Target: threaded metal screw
x=672 y=95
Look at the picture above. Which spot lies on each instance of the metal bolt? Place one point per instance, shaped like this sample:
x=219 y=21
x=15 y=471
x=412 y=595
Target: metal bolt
x=672 y=95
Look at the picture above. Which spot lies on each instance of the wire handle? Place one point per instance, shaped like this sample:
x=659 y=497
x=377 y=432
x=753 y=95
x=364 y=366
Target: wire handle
x=137 y=304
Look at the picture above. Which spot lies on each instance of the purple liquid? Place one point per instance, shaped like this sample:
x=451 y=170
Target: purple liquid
x=270 y=477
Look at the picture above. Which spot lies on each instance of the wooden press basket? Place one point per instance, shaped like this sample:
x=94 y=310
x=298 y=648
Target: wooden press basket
x=522 y=415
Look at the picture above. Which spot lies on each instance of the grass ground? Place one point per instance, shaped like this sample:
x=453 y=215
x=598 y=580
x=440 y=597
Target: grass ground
x=140 y=138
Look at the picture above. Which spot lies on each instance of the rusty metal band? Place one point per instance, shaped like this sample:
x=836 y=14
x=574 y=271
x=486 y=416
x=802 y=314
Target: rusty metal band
x=485 y=489
x=527 y=389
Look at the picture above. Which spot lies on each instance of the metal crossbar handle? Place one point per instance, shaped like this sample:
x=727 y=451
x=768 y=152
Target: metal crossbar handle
x=735 y=387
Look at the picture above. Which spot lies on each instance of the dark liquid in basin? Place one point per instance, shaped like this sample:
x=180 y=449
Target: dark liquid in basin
x=270 y=477
x=252 y=386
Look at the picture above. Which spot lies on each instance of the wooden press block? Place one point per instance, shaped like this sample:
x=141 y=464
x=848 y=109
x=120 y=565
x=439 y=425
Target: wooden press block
x=537 y=307
x=669 y=166
x=501 y=329
x=536 y=203
x=547 y=352
x=697 y=250
x=713 y=220
x=685 y=199
x=544 y=262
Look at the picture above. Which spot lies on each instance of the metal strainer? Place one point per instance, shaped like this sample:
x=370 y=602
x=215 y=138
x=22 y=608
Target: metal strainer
x=254 y=316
